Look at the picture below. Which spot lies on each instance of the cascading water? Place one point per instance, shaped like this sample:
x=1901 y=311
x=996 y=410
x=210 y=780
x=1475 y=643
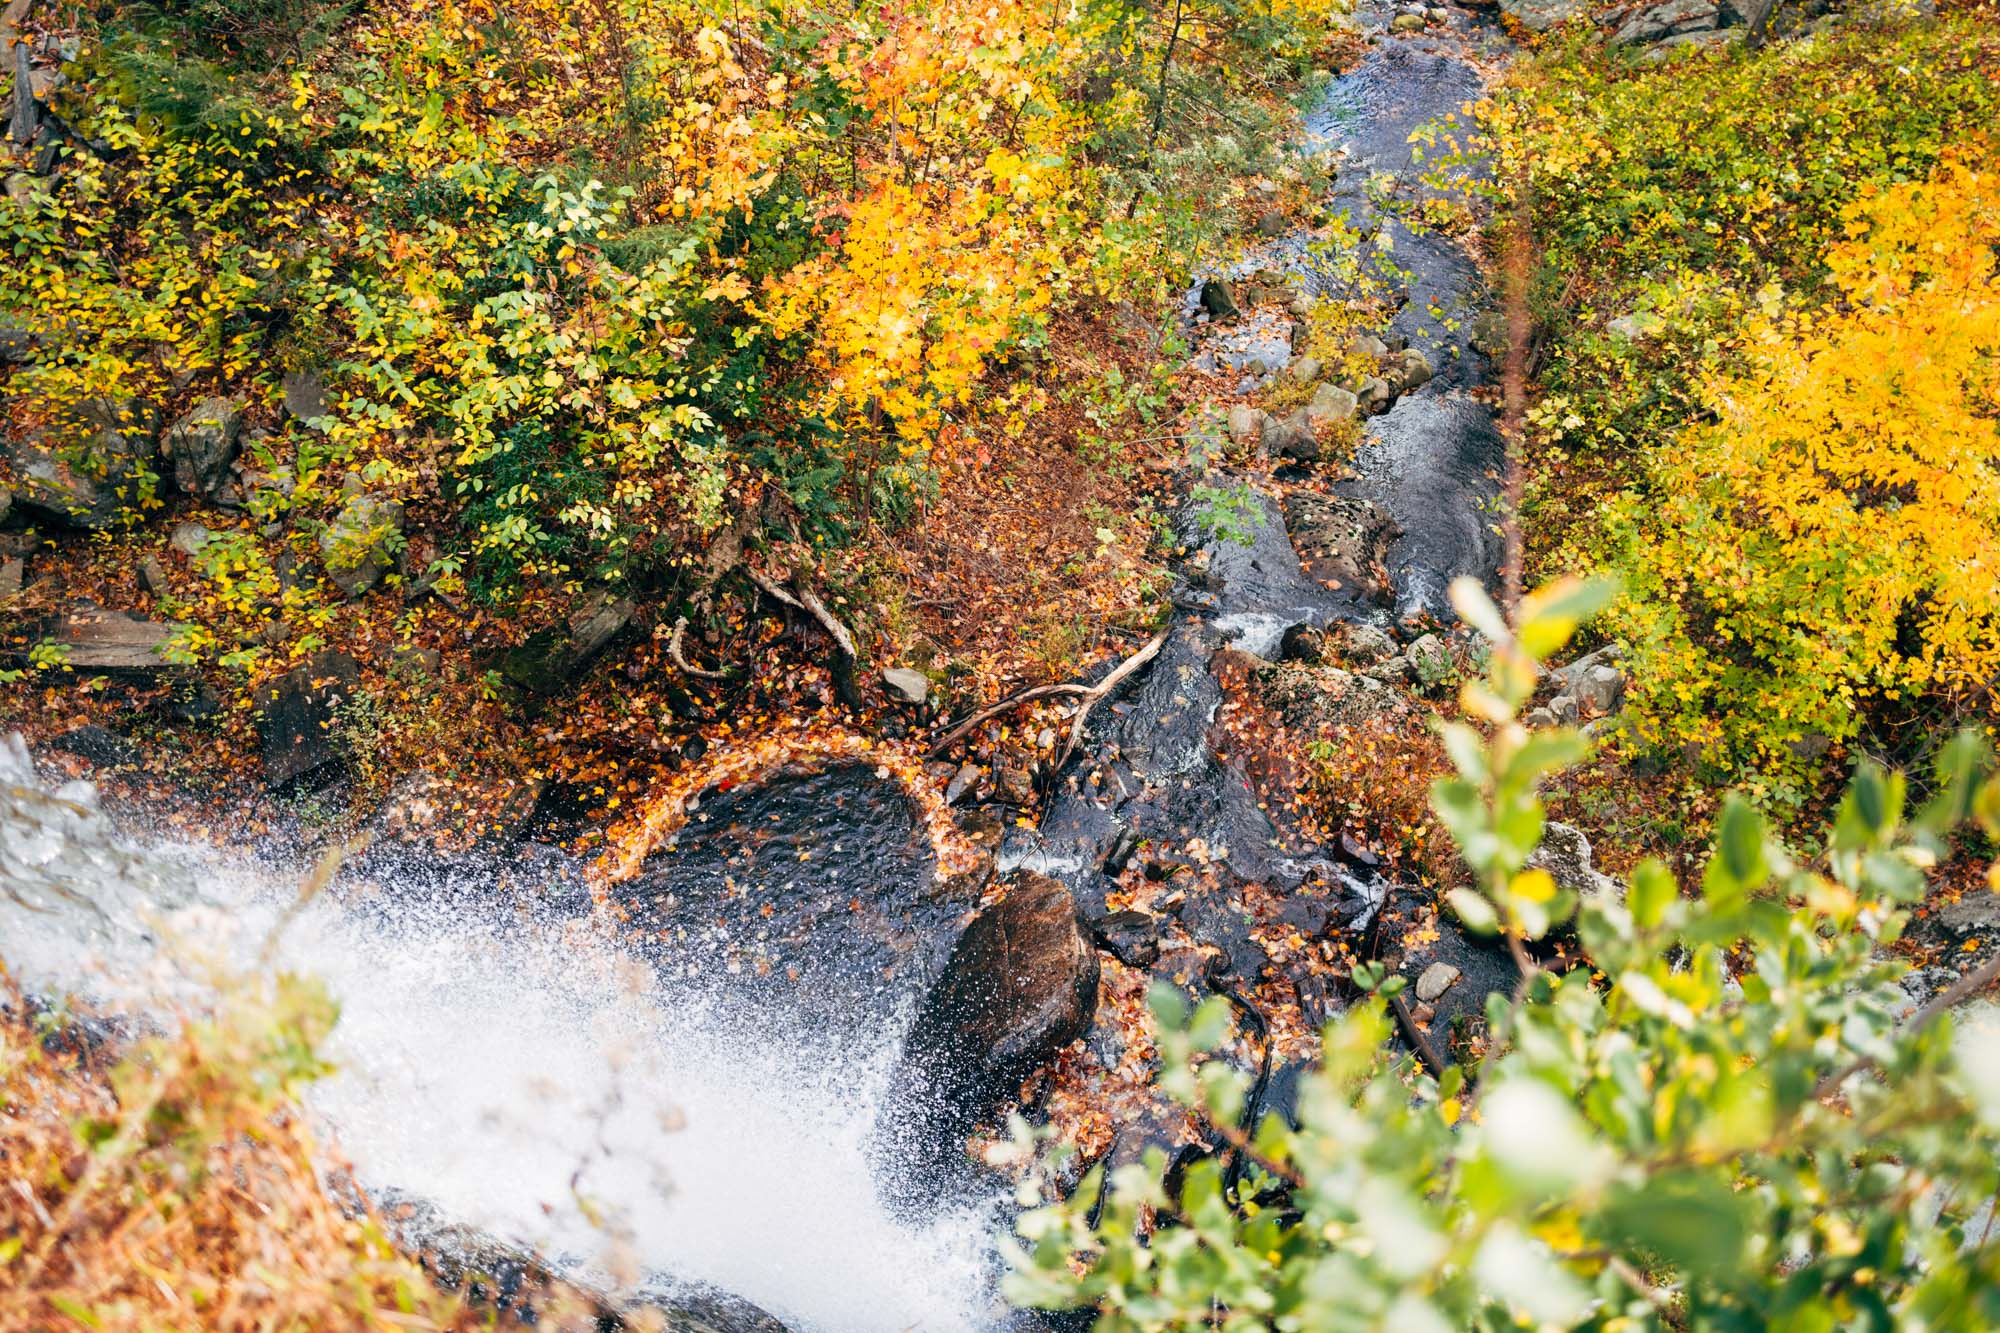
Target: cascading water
x=524 y=1080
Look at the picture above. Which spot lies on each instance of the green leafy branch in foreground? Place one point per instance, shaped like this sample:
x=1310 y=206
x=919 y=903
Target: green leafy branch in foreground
x=1731 y=1123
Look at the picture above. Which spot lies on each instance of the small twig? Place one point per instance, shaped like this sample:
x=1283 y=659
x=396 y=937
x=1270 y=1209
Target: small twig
x=1014 y=700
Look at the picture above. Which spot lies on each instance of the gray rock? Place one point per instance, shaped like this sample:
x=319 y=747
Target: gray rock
x=961 y=782
x=1566 y=854
x=1435 y=980
x=113 y=641
x=1377 y=395
x=906 y=685
x=1542 y=15
x=189 y=538
x=298 y=715
x=1599 y=690
x=1430 y=659
x=1489 y=334
x=1331 y=403
x=1246 y=426
x=305 y=394
x=152 y=576
x=1271 y=223
x=202 y=445
x=17 y=345
x=1370 y=346
x=1304 y=369
x=1365 y=645
x=1407 y=23
x=1657 y=21
x=13 y=570
x=360 y=545
x=1291 y=437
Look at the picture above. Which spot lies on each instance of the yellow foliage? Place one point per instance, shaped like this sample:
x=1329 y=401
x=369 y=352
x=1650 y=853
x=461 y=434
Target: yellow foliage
x=1835 y=538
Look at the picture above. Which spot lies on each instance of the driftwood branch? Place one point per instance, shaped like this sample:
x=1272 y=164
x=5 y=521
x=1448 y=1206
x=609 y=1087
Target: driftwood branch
x=677 y=652
x=808 y=601
x=1068 y=689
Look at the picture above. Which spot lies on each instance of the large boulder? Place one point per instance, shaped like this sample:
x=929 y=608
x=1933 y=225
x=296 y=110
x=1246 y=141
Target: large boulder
x=202 y=445
x=298 y=712
x=91 y=470
x=1654 y=22
x=360 y=545
x=1020 y=985
x=1341 y=540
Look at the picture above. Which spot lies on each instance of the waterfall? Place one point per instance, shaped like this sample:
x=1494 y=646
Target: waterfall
x=523 y=1076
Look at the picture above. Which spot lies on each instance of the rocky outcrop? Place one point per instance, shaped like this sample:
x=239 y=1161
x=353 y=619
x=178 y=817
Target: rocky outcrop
x=1020 y=985
x=1566 y=855
x=92 y=471
x=298 y=712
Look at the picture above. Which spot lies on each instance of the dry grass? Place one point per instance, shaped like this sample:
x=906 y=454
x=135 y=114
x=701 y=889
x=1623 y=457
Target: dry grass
x=176 y=1188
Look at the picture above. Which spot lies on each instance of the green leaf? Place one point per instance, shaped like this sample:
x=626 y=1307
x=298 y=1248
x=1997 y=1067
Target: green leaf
x=1692 y=1220
x=1474 y=910
x=1739 y=864
x=1653 y=891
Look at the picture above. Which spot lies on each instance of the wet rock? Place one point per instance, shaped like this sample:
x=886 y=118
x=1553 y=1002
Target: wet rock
x=1340 y=539
x=550 y=660
x=298 y=712
x=1221 y=924
x=1363 y=644
x=1014 y=784
x=1133 y=938
x=1218 y=298
x=1020 y=985
x=1566 y=855
x=1434 y=981
x=202 y=445
x=1291 y=438
x=906 y=685
x=96 y=641
x=1332 y=403
x=1310 y=916
x=91 y=471
x=1303 y=643
x=99 y=747
x=360 y=545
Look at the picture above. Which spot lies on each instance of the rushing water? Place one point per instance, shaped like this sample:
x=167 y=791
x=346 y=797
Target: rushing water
x=521 y=1080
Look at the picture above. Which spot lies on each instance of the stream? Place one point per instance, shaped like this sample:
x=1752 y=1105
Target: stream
x=680 y=1109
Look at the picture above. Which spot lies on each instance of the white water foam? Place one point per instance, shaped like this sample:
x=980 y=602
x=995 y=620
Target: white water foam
x=524 y=1081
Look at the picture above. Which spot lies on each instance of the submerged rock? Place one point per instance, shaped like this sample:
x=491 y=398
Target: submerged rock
x=1341 y=540
x=1020 y=985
